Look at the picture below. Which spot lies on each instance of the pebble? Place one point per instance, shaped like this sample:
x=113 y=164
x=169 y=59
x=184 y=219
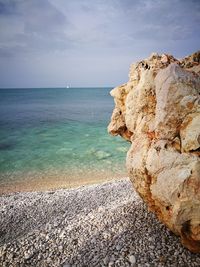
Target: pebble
x=28 y=255
x=106 y=260
x=102 y=225
x=132 y=259
x=118 y=247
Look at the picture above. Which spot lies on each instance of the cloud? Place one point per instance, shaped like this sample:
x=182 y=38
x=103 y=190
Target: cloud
x=160 y=20
x=56 y=25
x=8 y=7
x=31 y=26
x=112 y=33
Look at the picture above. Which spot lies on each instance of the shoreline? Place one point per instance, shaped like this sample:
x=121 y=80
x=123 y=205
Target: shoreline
x=39 y=182
x=104 y=224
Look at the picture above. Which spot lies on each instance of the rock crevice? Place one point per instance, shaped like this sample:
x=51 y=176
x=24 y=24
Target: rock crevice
x=158 y=111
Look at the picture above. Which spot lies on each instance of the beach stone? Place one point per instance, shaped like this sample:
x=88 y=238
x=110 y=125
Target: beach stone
x=132 y=259
x=158 y=111
x=28 y=255
x=106 y=260
x=67 y=265
x=118 y=247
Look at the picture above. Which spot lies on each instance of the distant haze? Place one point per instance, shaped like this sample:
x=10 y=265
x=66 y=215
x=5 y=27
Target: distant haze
x=55 y=43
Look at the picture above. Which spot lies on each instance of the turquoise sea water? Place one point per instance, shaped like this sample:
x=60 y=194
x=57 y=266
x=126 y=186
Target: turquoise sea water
x=49 y=130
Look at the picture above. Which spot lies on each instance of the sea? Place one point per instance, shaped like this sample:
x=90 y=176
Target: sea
x=57 y=137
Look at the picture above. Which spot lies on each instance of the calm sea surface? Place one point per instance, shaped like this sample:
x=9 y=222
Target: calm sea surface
x=57 y=130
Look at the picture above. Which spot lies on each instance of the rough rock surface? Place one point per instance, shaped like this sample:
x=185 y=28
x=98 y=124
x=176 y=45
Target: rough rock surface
x=158 y=111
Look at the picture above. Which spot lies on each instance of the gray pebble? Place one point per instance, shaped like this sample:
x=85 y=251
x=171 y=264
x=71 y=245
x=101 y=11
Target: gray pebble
x=118 y=247
x=132 y=259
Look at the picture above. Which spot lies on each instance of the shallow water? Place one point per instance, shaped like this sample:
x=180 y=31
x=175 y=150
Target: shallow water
x=57 y=130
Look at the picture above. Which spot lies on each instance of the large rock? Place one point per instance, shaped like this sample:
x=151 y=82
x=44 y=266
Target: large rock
x=158 y=111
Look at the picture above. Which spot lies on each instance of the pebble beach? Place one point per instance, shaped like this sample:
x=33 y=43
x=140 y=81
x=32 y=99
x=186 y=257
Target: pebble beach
x=98 y=225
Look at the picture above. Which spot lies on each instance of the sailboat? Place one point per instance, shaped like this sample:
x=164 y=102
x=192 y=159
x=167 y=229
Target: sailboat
x=67 y=86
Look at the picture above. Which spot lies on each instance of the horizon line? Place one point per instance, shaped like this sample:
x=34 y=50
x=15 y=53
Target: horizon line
x=59 y=87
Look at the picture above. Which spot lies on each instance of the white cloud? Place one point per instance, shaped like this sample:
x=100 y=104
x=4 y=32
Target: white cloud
x=106 y=33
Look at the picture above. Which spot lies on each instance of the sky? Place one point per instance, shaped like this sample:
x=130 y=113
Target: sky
x=55 y=43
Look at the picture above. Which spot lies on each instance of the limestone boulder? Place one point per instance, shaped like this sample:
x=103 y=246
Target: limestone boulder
x=158 y=111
